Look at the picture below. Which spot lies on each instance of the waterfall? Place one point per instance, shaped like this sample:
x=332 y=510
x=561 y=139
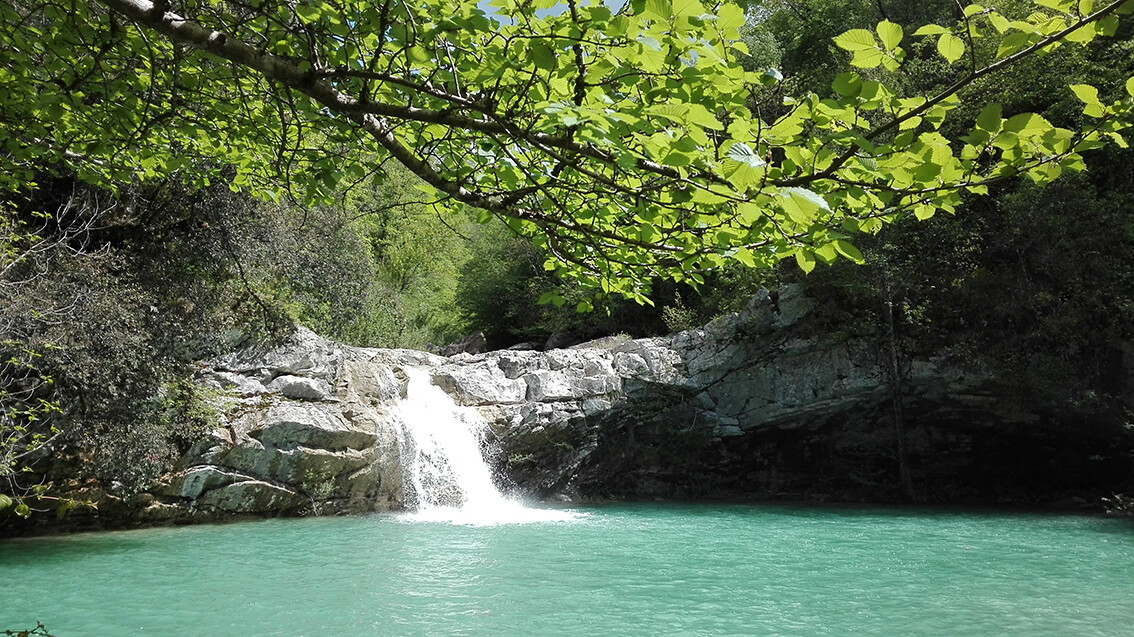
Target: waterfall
x=445 y=476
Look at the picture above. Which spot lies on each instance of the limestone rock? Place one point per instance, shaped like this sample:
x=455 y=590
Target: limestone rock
x=252 y=496
x=289 y=425
x=300 y=388
x=476 y=382
x=768 y=402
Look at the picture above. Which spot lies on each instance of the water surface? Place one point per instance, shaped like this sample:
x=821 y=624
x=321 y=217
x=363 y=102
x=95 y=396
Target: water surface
x=645 y=570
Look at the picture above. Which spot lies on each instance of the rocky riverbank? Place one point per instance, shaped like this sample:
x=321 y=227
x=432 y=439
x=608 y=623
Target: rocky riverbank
x=769 y=403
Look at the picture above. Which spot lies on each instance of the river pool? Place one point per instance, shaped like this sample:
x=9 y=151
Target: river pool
x=626 y=569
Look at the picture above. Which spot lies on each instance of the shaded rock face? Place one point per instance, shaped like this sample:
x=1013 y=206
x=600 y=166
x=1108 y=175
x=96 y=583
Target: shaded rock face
x=761 y=404
x=770 y=403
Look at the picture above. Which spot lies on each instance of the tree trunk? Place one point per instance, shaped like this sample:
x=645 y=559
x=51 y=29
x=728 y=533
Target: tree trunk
x=894 y=378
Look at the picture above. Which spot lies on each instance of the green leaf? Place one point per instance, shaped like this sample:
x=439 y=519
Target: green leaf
x=675 y=112
x=890 y=34
x=931 y=29
x=648 y=42
x=741 y=175
x=647 y=232
x=923 y=211
x=849 y=251
x=847 y=84
x=1027 y=124
x=1014 y=42
x=1086 y=93
x=553 y=298
x=1089 y=95
x=1082 y=35
x=999 y=22
x=677 y=158
x=1130 y=86
x=950 y=47
x=805 y=261
x=910 y=123
x=1108 y=26
x=543 y=57
x=308 y=12
x=867 y=58
x=730 y=16
x=827 y=253
x=686 y=113
x=749 y=212
x=658 y=10
x=893 y=62
x=5 y=502
x=856 y=40
x=744 y=255
x=802 y=205
x=936 y=116
x=701 y=116
x=872 y=225
x=744 y=154
x=23 y=510
x=990 y=118
x=687 y=8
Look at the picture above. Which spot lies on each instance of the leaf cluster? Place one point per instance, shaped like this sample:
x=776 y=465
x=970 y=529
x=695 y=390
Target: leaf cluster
x=620 y=141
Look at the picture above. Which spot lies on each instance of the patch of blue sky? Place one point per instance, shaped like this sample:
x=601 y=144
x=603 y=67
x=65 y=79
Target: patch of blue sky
x=558 y=9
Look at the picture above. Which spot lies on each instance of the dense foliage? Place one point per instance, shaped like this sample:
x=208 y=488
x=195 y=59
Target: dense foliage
x=621 y=141
x=1028 y=274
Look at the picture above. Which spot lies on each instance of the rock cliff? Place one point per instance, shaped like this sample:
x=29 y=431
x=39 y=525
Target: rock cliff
x=767 y=403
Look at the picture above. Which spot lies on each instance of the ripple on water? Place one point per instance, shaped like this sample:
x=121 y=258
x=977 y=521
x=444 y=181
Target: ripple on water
x=503 y=511
x=620 y=569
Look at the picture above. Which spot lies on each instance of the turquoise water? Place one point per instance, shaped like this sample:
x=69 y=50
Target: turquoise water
x=619 y=570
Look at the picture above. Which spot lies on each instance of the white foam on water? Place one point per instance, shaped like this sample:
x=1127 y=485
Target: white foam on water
x=444 y=473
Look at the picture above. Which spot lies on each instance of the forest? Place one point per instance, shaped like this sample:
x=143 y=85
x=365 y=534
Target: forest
x=168 y=195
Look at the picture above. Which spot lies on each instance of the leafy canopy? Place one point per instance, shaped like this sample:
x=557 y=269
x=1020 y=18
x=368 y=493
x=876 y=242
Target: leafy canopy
x=619 y=139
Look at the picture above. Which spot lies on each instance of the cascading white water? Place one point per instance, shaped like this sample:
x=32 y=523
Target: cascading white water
x=445 y=476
